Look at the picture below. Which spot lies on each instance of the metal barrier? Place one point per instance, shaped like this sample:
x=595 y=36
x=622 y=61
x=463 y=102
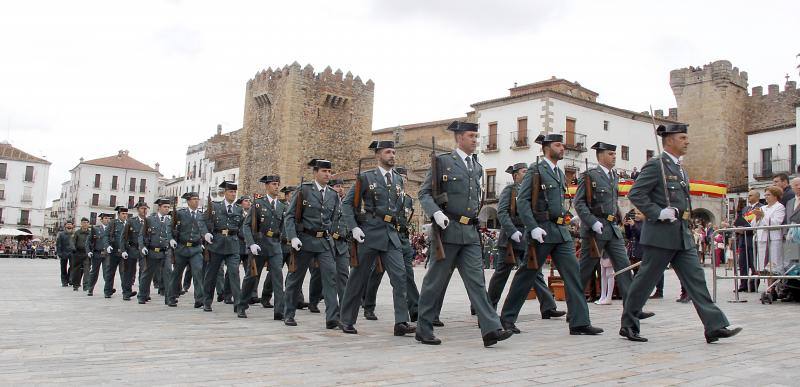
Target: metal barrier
x=771 y=259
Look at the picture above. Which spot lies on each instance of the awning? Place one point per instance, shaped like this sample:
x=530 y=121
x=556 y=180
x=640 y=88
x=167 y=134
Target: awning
x=12 y=232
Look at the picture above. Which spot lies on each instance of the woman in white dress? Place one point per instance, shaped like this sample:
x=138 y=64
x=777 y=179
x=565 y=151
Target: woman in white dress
x=770 y=242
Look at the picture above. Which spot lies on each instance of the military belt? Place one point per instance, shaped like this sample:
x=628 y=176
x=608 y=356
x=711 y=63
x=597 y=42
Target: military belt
x=227 y=232
x=465 y=220
x=546 y=216
x=609 y=217
x=191 y=243
x=272 y=234
x=159 y=249
x=388 y=218
x=317 y=233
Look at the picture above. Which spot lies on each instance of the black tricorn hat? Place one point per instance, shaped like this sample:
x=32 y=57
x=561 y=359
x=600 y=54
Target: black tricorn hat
x=190 y=195
x=243 y=198
x=288 y=188
x=378 y=145
x=121 y=209
x=333 y=182
x=106 y=215
x=516 y=167
x=320 y=163
x=604 y=146
x=84 y=219
x=161 y=201
x=266 y=179
x=141 y=204
x=460 y=126
x=548 y=138
x=664 y=131
x=228 y=185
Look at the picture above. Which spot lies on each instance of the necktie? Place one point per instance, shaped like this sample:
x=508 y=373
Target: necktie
x=469 y=163
x=193 y=215
x=322 y=193
x=229 y=208
x=388 y=178
x=611 y=175
x=274 y=206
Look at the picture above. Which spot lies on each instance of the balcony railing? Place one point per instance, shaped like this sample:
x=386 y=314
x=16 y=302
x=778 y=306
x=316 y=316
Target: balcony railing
x=574 y=141
x=519 y=140
x=489 y=143
x=766 y=170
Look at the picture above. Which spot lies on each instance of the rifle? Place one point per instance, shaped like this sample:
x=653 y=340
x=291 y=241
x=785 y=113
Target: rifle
x=594 y=251
x=510 y=257
x=210 y=219
x=174 y=223
x=440 y=199
x=357 y=213
x=298 y=219
x=254 y=229
x=536 y=184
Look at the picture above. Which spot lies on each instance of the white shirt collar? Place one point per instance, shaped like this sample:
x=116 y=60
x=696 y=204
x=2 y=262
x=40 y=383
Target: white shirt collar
x=319 y=187
x=271 y=200
x=383 y=171
x=225 y=201
x=550 y=163
x=463 y=155
x=671 y=156
x=605 y=170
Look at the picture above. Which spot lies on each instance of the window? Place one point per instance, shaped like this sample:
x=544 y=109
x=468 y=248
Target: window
x=114 y=182
x=522 y=132
x=142 y=185
x=27 y=194
x=649 y=155
x=29 y=174
x=141 y=199
x=605 y=126
x=491 y=175
x=1 y=216
x=792 y=158
x=570 y=132
x=92 y=218
x=3 y=167
x=491 y=143
x=24 y=217
x=130 y=201
x=194 y=170
x=95 y=199
x=766 y=162
x=112 y=201
x=2 y=191
x=96 y=180
x=233 y=177
x=625 y=151
x=132 y=185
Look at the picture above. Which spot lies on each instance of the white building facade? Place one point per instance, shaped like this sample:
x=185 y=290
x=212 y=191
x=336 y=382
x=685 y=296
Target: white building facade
x=23 y=190
x=772 y=151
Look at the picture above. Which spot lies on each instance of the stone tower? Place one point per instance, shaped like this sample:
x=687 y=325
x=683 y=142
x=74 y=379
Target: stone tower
x=293 y=114
x=713 y=101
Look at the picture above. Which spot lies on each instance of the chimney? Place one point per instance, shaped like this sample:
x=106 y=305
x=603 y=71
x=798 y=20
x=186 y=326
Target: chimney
x=81 y=160
x=157 y=166
x=219 y=129
x=120 y=153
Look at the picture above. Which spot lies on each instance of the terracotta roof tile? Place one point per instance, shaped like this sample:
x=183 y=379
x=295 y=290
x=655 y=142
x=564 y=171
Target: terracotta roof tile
x=8 y=152
x=122 y=161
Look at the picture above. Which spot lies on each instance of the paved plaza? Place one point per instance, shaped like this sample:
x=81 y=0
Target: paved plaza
x=52 y=335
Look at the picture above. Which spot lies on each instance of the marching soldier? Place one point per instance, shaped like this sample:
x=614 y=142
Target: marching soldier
x=662 y=193
x=341 y=238
x=545 y=222
x=373 y=222
x=81 y=261
x=513 y=231
x=116 y=231
x=132 y=254
x=99 y=248
x=307 y=224
x=455 y=210
x=286 y=250
x=155 y=249
x=187 y=244
x=65 y=251
x=224 y=224
x=244 y=202
x=264 y=243
x=600 y=220
x=412 y=294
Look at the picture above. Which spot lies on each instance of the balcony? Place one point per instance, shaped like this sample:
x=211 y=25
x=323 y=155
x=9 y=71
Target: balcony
x=519 y=140
x=766 y=170
x=27 y=198
x=574 y=141
x=489 y=144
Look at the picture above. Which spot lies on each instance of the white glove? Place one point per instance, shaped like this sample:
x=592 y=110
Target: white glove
x=144 y=250
x=667 y=214
x=109 y=249
x=597 y=227
x=538 y=234
x=441 y=219
x=358 y=235
x=255 y=249
x=208 y=237
x=124 y=255
x=90 y=254
x=172 y=243
x=516 y=237
x=296 y=244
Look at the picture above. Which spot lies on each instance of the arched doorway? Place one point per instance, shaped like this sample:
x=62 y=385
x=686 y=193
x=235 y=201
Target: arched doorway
x=488 y=217
x=704 y=215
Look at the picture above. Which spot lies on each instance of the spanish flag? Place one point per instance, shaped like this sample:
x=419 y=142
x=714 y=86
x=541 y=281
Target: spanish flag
x=749 y=216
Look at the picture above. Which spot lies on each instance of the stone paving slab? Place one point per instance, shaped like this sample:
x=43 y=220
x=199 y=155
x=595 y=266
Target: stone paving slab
x=52 y=335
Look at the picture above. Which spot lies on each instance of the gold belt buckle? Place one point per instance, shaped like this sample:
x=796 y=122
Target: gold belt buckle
x=336 y=235
x=320 y=234
x=686 y=215
x=188 y=244
x=387 y=218
x=560 y=220
x=464 y=220
x=269 y=233
x=611 y=218
x=224 y=232
x=157 y=249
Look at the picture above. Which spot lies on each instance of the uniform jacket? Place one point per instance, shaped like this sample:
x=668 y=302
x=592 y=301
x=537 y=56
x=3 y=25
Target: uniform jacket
x=605 y=192
x=408 y=208
x=340 y=232
x=99 y=240
x=218 y=221
x=81 y=240
x=156 y=233
x=317 y=216
x=509 y=223
x=463 y=191
x=550 y=205
x=116 y=229
x=64 y=244
x=189 y=231
x=380 y=203
x=131 y=236
x=647 y=194
x=269 y=226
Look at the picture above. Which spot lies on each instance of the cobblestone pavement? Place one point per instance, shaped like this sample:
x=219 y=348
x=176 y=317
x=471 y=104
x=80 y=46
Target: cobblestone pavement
x=53 y=335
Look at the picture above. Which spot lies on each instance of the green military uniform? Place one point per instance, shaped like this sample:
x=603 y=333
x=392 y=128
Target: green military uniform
x=65 y=251
x=224 y=223
x=549 y=215
x=114 y=260
x=459 y=177
x=511 y=223
x=190 y=227
x=668 y=242
x=79 y=270
x=340 y=233
x=154 y=245
x=412 y=294
x=269 y=216
x=98 y=246
x=382 y=195
x=313 y=230
x=130 y=243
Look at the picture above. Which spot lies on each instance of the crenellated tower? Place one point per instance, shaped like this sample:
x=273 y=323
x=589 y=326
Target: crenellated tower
x=293 y=114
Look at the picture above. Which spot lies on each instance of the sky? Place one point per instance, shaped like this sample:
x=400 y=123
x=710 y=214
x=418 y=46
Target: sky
x=88 y=78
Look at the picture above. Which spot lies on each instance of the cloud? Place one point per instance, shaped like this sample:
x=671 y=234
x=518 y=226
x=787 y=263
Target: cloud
x=179 y=40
